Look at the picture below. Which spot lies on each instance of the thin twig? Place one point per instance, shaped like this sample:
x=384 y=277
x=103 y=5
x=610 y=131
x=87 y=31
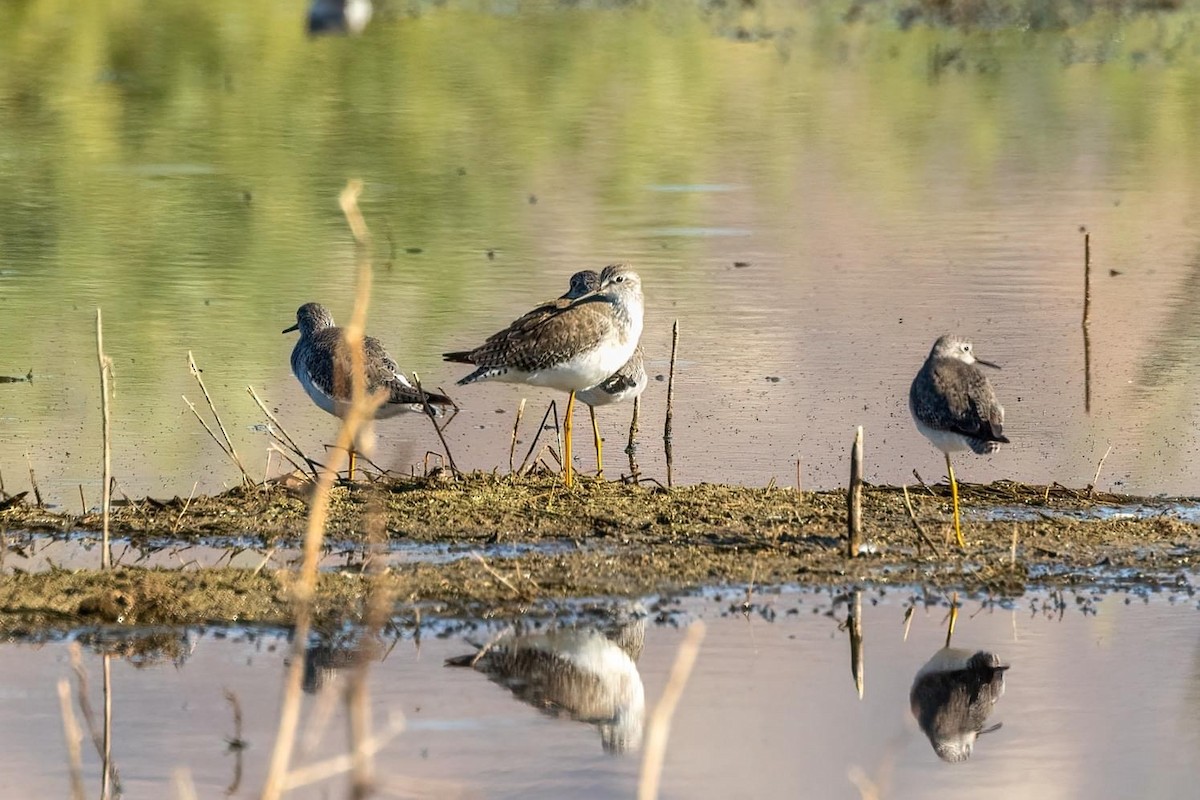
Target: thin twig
x=512 y=447
x=1086 y=324
x=552 y=408
x=497 y=575
x=106 y=414
x=287 y=439
x=228 y=448
x=179 y=519
x=82 y=500
x=1096 y=478
x=671 y=405
x=659 y=728
x=631 y=447
x=37 y=492
x=433 y=419
x=920 y=530
x=321 y=770
x=101 y=736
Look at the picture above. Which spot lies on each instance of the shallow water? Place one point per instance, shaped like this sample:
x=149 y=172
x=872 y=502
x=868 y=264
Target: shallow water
x=180 y=169
x=1099 y=701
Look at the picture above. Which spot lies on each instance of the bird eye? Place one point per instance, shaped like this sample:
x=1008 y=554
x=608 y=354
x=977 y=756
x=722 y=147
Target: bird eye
x=620 y=279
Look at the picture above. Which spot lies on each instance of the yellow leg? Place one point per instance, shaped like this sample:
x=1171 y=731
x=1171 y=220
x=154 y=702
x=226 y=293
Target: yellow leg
x=954 y=495
x=567 y=441
x=599 y=444
x=352 y=455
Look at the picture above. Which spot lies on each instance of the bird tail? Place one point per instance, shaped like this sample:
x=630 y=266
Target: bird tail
x=482 y=374
x=988 y=439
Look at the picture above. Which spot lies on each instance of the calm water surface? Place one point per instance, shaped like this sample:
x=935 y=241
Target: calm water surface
x=1100 y=701
x=178 y=164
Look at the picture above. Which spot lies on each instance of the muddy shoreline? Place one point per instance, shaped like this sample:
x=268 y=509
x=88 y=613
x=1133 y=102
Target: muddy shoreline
x=608 y=540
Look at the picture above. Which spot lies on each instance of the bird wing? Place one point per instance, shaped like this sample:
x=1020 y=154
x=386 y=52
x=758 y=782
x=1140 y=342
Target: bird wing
x=544 y=337
x=964 y=403
x=330 y=366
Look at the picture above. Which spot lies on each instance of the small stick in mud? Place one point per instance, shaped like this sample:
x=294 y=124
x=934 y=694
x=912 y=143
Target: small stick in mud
x=550 y=409
x=631 y=448
x=671 y=404
x=512 y=447
x=1087 y=310
x=1096 y=478
x=37 y=492
x=82 y=501
x=179 y=519
x=912 y=515
x=658 y=729
x=106 y=371
x=799 y=487
x=228 y=446
x=438 y=428
x=854 y=497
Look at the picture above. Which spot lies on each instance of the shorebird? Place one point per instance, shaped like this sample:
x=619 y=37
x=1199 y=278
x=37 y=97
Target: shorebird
x=322 y=364
x=627 y=383
x=570 y=344
x=955 y=408
x=586 y=672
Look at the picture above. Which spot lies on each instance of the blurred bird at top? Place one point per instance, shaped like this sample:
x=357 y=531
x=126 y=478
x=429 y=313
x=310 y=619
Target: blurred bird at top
x=338 y=16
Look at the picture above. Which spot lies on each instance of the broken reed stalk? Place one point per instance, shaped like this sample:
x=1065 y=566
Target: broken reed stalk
x=659 y=727
x=82 y=500
x=286 y=439
x=1087 y=311
x=101 y=737
x=227 y=447
x=854 y=497
x=37 y=492
x=912 y=515
x=671 y=405
x=1096 y=478
x=631 y=447
x=361 y=412
x=512 y=447
x=433 y=420
x=858 y=659
x=106 y=415
x=109 y=775
x=72 y=735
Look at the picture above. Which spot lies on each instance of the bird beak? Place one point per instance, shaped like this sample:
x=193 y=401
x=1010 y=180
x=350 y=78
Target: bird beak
x=987 y=363
x=295 y=327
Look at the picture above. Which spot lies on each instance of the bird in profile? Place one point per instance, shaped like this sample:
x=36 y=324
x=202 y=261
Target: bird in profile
x=627 y=383
x=569 y=344
x=322 y=363
x=955 y=408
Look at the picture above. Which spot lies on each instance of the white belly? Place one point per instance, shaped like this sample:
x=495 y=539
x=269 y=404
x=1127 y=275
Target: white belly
x=581 y=372
x=946 y=441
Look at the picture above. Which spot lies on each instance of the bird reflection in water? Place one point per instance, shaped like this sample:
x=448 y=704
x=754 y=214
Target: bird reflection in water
x=585 y=672
x=953 y=695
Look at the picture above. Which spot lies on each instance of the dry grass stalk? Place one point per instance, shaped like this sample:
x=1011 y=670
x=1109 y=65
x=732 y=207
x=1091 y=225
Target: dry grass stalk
x=512 y=447
x=433 y=420
x=1096 y=478
x=82 y=501
x=671 y=405
x=227 y=446
x=658 y=730
x=37 y=492
x=323 y=770
x=185 y=788
x=72 y=735
x=362 y=411
x=106 y=371
x=550 y=409
x=182 y=511
x=912 y=515
x=516 y=592
x=283 y=437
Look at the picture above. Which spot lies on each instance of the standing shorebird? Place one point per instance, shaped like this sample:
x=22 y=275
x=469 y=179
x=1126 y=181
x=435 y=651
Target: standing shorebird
x=955 y=408
x=625 y=384
x=571 y=344
x=322 y=363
